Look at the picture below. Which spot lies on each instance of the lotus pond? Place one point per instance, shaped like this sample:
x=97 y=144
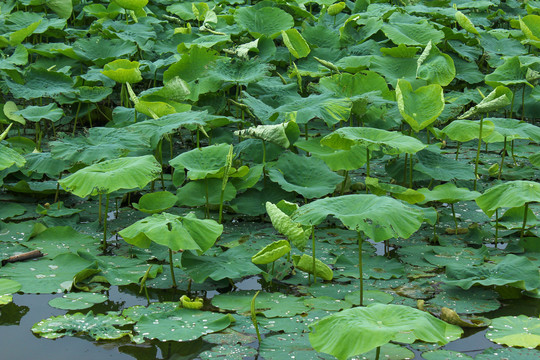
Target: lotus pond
x=269 y=179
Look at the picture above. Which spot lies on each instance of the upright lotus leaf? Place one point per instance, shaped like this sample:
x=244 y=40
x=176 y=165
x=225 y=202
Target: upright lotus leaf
x=336 y=159
x=11 y=112
x=35 y=113
x=435 y=67
x=123 y=71
x=18 y=36
x=500 y=97
x=132 y=4
x=296 y=233
x=358 y=330
x=155 y=202
x=507 y=195
x=467 y=130
x=269 y=21
x=284 y=134
x=511 y=72
x=512 y=270
x=441 y=167
x=10 y=157
x=239 y=71
x=466 y=23
x=421 y=107
x=530 y=25
x=391 y=142
x=517 y=331
x=512 y=129
x=308 y=176
x=112 y=175
x=411 y=33
x=448 y=193
x=296 y=44
x=378 y=217
x=203 y=162
x=62 y=8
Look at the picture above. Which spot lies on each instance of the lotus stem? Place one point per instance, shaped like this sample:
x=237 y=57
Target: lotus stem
x=454 y=216
x=523 y=103
x=405 y=168
x=313 y=251
x=104 y=245
x=254 y=316
x=512 y=104
x=344 y=184
x=377 y=353
x=207 y=210
x=457 y=150
x=172 y=269
x=198 y=139
x=57 y=189
x=306 y=131
x=502 y=159
x=360 y=270
x=411 y=171
x=524 y=221
x=512 y=151
x=478 y=152
x=76 y=117
x=99 y=210
x=496 y=227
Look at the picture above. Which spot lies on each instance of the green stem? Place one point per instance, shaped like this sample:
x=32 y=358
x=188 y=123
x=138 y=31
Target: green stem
x=454 y=216
x=104 y=245
x=405 y=169
x=513 y=155
x=221 y=204
x=172 y=269
x=496 y=227
x=478 y=152
x=207 y=200
x=76 y=117
x=99 y=210
x=313 y=252
x=306 y=131
x=360 y=270
x=367 y=162
x=524 y=221
x=523 y=103
x=512 y=104
x=457 y=150
x=377 y=353
x=344 y=184
x=254 y=317
x=502 y=159
x=411 y=171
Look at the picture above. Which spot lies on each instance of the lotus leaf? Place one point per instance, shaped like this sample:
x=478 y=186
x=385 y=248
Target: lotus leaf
x=194 y=192
x=132 y=4
x=175 y=232
x=444 y=354
x=507 y=353
x=512 y=129
x=101 y=51
x=519 y=331
x=239 y=72
x=508 y=194
x=448 y=193
x=305 y=263
x=8 y=287
x=99 y=327
x=435 y=67
x=296 y=44
x=412 y=34
x=296 y=233
x=512 y=270
x=123 y=71
x=379 y=217
x=10 y=157
x=269 y=21
x=9 y=210
x=466 y=23
x=155 y=202
x=77 y=301
x=327 y=303
x=112 y=175
x=511 y=72
x=284 y=134
x=271 y=252
x=335 y=159
x=61 y=239
x=473 y=300
x=500 y=97
x=42 y=83
x=442 y=168
x=420 y=107
x=135 y=313
x=269 y=304
x=392 y=143
x=370 y=297
x=56 y=210
x=466 y=130
x=356 y=331
x=203 y=162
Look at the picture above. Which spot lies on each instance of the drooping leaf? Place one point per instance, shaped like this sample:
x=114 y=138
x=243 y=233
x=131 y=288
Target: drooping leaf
x=500 y=97
x=35 y=113
x=466 y=23
x=296 y=233
x=271 y=252
x=10 y=157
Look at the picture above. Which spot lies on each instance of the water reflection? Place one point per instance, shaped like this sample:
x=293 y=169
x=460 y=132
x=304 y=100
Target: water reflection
x=11 y=314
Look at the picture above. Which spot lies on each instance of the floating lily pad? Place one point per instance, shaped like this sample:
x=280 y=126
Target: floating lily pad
x=77 y=301
x=327 y=303
x=9 y=210
x=61 y=239
x=370 y=297
x=444 y=355
x=99 y=327
x=507 y=353
x=136 y=312
x=287 y=346
x=518 y=331
x=471 y=301
x=447 y=255
x=233 y=352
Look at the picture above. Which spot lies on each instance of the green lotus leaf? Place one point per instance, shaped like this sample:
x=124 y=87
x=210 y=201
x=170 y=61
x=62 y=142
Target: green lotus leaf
x=466 y=23
x=132 y=4
x=46 y=276
x=239 y=71
x=442 y=168
x=194 y=192
x=35 y=113
x=98 y=327
x=284 y=134
x=233 y=264
x=444 y=355
x=296 y=233
x=349 y=85
x=41 y=83
x=507 y=353
x=269 y=21
x=11 y=112
x=379 y=217
x=155 y=202
x=203 y=162
x=308 y=176
x=358 y=330
x=391 y=142
x=443 y=256
x=512 y=129
x=77 y=301
x=467 y=130
x=535 y=160
x=511 y=72
x=370 y=297
x=10 y=157
x=412 y=34
x=448 y=193
x=226 y=351
x=519 y=331
x=18 y=36
x=101 y=51
x=513 y=270
x=500 y=97
x=111 y=175
x=56 y=210
x=136 y=312
x=57 y=240
x=62 y=8
x=399 y=192
x=271 y=252
x=8 y=287
x=123 y=71
x=470 y=301
x=296 y=44
x=530 y=25
x=509 y=194
x=335 y=159
x=175 y=232
x=305 y=263
x=421 y=107
x=274 y=304
x=395 y=68
x=435 y=67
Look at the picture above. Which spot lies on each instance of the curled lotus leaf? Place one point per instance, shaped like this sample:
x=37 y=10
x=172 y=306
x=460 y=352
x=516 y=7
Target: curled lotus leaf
x=295 y=232
x=500 y=97
x=466 y=23
x=123 y=71
x=187 y=303
x=284 y=134
x=451 y=317
x=271 y=252
x=305 y=263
